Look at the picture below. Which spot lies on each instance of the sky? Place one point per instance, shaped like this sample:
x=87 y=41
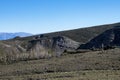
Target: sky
x=44 y=16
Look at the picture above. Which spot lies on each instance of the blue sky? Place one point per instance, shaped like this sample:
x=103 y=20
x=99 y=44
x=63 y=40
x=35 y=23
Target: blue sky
x=43 y=16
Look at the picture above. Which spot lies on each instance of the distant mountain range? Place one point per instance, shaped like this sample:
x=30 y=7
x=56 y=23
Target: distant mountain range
x=5 y=36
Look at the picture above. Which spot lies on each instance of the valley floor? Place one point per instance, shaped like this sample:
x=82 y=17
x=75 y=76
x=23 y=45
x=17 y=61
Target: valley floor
x=97 y=65
x=75 y=75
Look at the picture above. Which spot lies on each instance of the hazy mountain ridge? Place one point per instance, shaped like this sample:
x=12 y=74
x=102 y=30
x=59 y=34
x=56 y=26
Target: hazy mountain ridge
x=5 y=36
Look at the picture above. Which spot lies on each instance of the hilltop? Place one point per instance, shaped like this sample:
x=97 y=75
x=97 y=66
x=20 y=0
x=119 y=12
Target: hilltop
x=81 y=35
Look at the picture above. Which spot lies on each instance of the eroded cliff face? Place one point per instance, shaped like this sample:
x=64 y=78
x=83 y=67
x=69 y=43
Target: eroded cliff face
x=54 y=46
x=109 y=38
x=36 y=48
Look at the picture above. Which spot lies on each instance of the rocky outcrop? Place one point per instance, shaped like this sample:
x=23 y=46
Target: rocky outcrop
x=36 y=48
x=108 y=39
x=62 y=43
x=53 y=46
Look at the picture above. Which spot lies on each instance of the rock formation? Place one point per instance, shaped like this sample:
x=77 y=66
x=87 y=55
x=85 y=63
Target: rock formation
x=54 y=46
x=36 y=48
x=108 y=39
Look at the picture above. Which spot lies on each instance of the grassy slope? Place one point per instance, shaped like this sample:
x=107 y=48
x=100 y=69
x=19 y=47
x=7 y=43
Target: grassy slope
x=76 y=75
x=81 y=35
x=107 y=61
x=84 y=34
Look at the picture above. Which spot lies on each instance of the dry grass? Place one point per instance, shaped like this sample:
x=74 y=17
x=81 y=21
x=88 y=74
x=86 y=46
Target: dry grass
x=77 y=75
x=80 y=66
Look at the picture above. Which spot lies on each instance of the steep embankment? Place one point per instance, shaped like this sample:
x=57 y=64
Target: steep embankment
x=108 y=39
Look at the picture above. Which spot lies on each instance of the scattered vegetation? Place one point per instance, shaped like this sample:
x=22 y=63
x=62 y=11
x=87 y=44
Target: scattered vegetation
x=72 y=65
x=97 y=65
x=76 y=75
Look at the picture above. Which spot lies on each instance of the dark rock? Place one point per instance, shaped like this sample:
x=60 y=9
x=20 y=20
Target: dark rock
x=108 y=39
x=54 y=46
